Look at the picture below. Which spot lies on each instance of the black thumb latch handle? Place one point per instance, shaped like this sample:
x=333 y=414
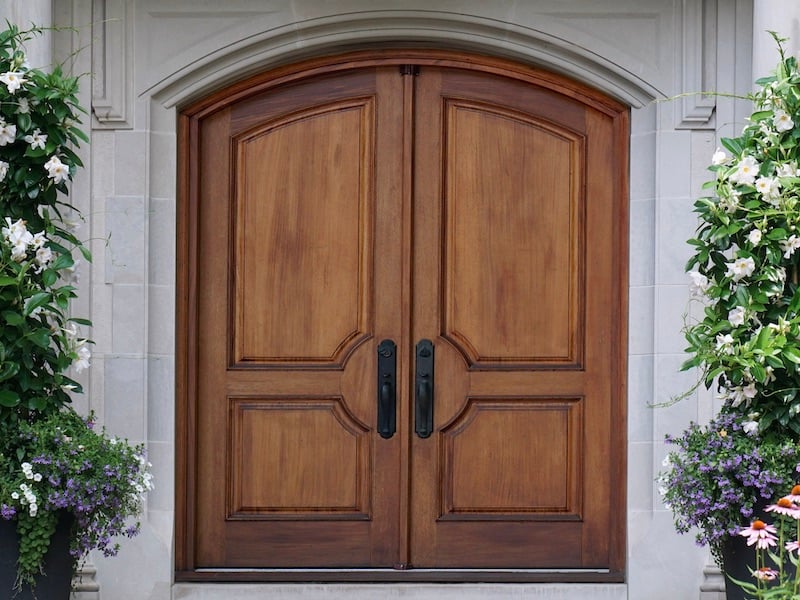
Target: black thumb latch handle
x=387 y=399
x=423 y=405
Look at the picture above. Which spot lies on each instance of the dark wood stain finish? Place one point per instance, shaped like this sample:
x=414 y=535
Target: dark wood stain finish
x=326 y=206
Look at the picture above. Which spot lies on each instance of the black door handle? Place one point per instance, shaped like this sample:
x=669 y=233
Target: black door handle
x=423 y=405
x=387 y=398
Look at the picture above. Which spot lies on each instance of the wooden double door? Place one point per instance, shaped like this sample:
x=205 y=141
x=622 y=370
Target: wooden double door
x=401 y=310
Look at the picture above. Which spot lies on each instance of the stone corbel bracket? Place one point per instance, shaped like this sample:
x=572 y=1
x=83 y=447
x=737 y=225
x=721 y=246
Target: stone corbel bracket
x=112 y=48
x=698 y=64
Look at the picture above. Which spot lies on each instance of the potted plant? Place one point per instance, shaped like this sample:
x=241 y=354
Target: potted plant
x=59 y=473
x=720 y=477
x=744 y=271
x=776 y=547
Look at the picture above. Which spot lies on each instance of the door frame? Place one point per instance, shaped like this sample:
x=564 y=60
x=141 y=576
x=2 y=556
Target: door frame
x=187 y=323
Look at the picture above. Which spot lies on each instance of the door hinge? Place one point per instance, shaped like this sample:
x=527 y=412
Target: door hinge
x=409 y=69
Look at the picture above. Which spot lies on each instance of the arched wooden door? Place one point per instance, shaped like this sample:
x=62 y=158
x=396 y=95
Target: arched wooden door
x=402 y=324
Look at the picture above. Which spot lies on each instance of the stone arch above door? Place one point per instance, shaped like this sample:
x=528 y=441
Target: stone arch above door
x=232 y=59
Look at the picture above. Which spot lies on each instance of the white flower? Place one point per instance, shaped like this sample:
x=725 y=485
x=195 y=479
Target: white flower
x=746 y=171
x=787 y=170
x=782 y=121
x=37 y=477
x=750 y=427
x=741 y=268
x=19 y=252
x=38 y=240
x=24 y=106
x=729 y=203
x=743 y=395
x=754 y=237
x=736 y=316
x=8 y=133
x=12 y=80
x=790 y=245
x=698 y=285
x=56 y=170
x=769 y=188
x=16 y=232
x=37 y=139
x=725 y=343
x=782 y=327
x=667 y=462
x=15 y=495
x=3 y=169
x=33 y=509
x=719 y=157
x=43 y=258
x=82 y=362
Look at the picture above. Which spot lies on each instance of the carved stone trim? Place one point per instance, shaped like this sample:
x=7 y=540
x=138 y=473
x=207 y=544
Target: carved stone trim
x=112 y=84
x=713 y=586
x=698 y=64
x=84 y=586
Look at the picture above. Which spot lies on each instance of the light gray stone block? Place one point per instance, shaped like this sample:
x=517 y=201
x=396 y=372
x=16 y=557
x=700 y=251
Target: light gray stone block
x=161 y=242
x=125 y=250
x=123 y=396
x=129 y=324
x=640 y=320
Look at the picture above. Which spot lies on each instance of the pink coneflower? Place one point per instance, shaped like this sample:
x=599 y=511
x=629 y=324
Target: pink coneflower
x=761 y=534
x=784 y=506
x=792 y=546
x=794 y=495
x=765 y=574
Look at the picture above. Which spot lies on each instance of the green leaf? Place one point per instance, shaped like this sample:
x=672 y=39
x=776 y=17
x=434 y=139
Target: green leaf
x=732 y=145
x=760 y=115
x=9 y=398
x=35 y=301
x=24 y=121
x=41 y=338
x=8 y=370
x=758 y=372
x=13 y=318
x=777 y=234
x=791 y=353
x=80 y=321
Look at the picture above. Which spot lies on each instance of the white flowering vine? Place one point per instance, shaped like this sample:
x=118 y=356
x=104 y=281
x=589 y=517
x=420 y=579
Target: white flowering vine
x=745 y=266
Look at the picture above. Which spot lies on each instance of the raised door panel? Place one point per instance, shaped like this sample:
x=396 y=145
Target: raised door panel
x=496 y=440
x=500 y=240
x=305 y=219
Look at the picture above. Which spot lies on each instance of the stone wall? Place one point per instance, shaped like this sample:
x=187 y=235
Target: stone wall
x=149 y=57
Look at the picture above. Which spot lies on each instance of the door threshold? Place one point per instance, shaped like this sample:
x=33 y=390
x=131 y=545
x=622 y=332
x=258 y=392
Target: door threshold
x=309 y=575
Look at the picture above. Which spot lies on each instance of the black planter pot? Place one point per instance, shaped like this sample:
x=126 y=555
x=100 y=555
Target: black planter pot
x=56 y=581
x=738 y=561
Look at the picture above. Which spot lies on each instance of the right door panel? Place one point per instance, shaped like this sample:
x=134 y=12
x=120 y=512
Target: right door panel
x=514 y=283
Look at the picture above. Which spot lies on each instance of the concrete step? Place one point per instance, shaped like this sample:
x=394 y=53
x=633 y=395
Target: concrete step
x=402 y=591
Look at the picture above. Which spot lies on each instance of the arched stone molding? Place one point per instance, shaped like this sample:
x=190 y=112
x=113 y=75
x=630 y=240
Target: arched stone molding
x=293 y=41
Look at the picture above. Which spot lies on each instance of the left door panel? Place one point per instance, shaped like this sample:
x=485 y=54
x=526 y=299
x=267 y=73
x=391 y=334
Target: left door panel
x=295 y=188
